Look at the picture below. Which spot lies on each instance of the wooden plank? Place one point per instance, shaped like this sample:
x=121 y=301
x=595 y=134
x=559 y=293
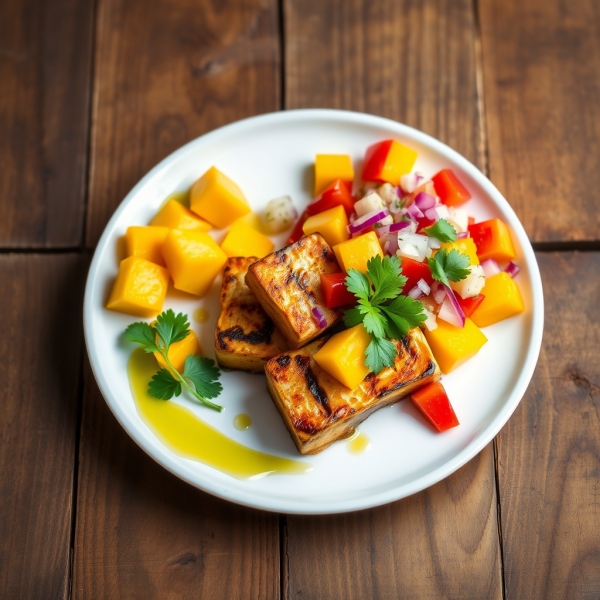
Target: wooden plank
x=45 y=52
x=541 y=96
x=40 y=350
x=413 y=62
x=143 y=533
x=167 y=72
x=549 y=452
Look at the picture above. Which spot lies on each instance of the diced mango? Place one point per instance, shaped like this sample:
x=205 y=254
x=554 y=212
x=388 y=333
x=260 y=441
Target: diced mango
x=343 y=356
x=146 y=242
x=243 y=240
x=502 y=300
x=175 y=215
x=356 y=252
x=179 y=351
x=388 y=161
x=217 y=199
x=193 y=259
x=332 y=224
x=465 y=246
x=140 y=288
x=452 y=346
x=329 y=167
x=493 y=240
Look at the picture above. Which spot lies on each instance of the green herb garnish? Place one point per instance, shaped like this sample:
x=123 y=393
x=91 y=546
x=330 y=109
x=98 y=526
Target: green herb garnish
x=385 y=313
x=202 y=372
x=441 y=230
x=449 y=266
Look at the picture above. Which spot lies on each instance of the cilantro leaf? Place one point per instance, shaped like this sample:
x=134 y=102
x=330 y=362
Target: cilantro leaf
x=203 y=374
x=386 y=278
x=164 y=386
x=380 y=353
x=405 y=313
x=172 y=328
x=358 y=284
x=352 y=317
x=143 y=334
x=374 y=322
x=442 y=230
x=449 y=266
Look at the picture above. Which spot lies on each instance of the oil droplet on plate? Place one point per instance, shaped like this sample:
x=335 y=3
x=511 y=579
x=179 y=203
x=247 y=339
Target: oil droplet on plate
x=200 y=315
x=359 y=443
x=242 y=422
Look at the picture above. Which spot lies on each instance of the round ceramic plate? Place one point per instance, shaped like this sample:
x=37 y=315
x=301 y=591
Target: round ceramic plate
x=270 y=156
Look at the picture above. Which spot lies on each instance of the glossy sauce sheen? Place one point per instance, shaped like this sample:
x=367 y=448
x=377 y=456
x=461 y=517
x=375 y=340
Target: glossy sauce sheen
x=242 y=422
x=201 y=315
x=358 y=444
x=185 y=435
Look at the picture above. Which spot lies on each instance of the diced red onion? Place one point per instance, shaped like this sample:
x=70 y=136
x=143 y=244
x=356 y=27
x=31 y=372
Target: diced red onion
x=353 y=217
x=432 y=214
x=319 y=316
x=415 y=293
x=512 y=269
x=451 y=310
x=418 y=177
x=367 y=220
x=439 y=292
x=414 y=212
x=392 y=228
x=399 y=192
x=424 y=287
x=490 y=268
x=424 y=201
x=434 y=243
x=391 y=246
x=462 y=235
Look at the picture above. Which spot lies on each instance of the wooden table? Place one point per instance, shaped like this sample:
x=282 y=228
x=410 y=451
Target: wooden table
x=95 y=93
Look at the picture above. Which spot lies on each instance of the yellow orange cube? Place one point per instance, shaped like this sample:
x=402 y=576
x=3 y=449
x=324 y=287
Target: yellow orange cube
x=193 y=259
x=243 y=240
x=343 y=356
x=146 y=242
x=175 y=215
x=179 y=351
x=464 y=246
x=452 y=346
x=502 y=300
x=356 y=252
x=140 y=288
x=217 y=199
x=329 y=168
x=332 y=224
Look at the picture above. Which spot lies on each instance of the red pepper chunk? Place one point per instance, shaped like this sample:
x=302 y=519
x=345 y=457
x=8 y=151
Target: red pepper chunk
x=450 y=190
x=469 y=305
x=414 y=271
x=435 y=406
x=337 y=194
x=298 y=232
x=335 y=291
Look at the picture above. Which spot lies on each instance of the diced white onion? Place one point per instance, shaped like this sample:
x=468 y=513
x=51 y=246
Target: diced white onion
x=424 y=287
x=387 y=192
x=472 y=285
x=459 y=219
x=413 y=245
x=369 y=203
x=434 y=243
x=280 y=214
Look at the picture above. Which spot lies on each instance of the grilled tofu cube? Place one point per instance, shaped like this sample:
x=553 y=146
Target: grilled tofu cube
x=245 y=337
x=318 y=410
x=287 y=283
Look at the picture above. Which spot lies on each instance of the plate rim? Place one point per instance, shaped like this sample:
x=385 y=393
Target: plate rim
x=251 y=498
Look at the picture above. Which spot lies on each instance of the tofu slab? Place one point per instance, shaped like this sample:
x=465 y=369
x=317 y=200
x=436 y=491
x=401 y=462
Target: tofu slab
x=318 y=410
x=245 y=337
x=287 y=283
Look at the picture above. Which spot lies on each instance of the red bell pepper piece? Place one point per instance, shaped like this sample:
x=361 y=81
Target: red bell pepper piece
x=469 y=305
x=375 y=158
x=335 y=291
x=433 y=402
x=297 y=232
x=414 y=271
x=471 y=221
x=335 y=195
x=450 y=190
x=424 y=222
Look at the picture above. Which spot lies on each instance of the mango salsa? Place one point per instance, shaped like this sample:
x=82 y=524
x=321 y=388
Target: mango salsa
x=343 y=356
x=452 y=346
x=332 y=224
x=243 y=240
x=193 y=259
x=354 y=253
x=465 y=246
x=329 y=167
x=140 y=288
x=176 y=216
x=217 y=199
x=146 y=242
x=179 y=351
x=502 y=300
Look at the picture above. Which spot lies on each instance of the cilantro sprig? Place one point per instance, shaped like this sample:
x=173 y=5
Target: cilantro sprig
x=385 y=313
x=441 y=230
x=202 y=372
x=449 y=266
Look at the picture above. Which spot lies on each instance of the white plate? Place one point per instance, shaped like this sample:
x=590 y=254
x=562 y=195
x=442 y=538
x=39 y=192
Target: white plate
x=270 y=156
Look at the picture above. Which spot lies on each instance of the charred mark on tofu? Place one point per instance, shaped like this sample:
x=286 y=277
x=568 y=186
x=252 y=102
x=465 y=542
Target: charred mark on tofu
x=283 y=360
x=236 y=334
x=315 y=389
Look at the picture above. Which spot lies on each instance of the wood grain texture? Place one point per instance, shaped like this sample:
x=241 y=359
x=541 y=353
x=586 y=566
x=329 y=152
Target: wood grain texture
x=166 y=72
x=45 y=61
x=440 y=543
x=143 y=533
x=542 y=91
x=409 y=60
x=549 y=452
x=40 y=364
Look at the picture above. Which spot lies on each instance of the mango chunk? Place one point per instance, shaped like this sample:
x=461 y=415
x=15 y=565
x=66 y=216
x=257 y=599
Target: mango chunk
x=452 y=346
x=356 y=252
x=493 y=240
x=140 y=288
x=179 y=351
x=175 y=215
x=243 y=240
x=332 y=224
x=329 y=167
x=217 y=199
x=502 y=300
x=193 y=259
x=343 y=356
x=464 y=246
x=146 y=242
